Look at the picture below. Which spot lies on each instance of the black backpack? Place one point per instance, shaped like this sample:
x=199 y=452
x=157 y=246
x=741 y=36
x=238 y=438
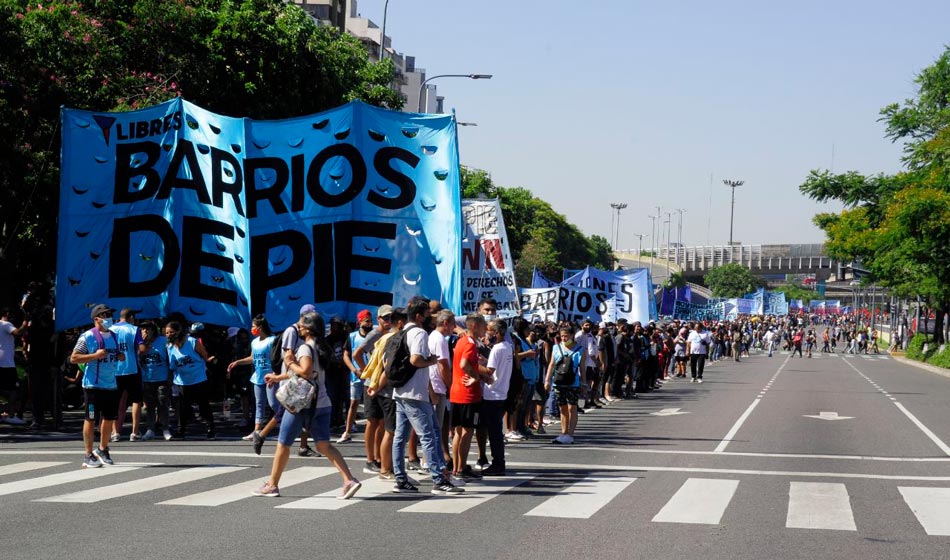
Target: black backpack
x=396 y=359
x=564 y=375
x=277 y=353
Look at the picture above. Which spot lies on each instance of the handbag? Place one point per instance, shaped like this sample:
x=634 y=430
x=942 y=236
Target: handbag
x=296 y=394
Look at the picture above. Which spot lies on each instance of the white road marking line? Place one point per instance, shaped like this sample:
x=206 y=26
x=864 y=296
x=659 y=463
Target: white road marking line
x=633 y=468
x=475 y=495
x=819 y=505
x=700 y=501
x=141 y=485
x=372 y=488
x=933 y=437
x=582 y=499
x=745 y=415
x=931 y=506
x=60 y=478
x=29 y=466
x=241 y=490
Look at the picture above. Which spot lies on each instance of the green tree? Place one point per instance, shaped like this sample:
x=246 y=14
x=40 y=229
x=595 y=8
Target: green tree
x=731 y=280
x=257 y=58
x=537 y=234
x=898 y=226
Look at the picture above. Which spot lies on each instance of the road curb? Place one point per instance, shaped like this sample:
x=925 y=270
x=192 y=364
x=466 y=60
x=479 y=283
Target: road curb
x=932 y=369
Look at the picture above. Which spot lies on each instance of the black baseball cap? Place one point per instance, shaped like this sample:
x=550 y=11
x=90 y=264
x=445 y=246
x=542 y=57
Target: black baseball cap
x=99 y=309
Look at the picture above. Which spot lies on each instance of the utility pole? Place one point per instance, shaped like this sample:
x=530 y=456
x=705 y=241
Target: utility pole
x=618 y=206
x=679 y=234
x=732 y=213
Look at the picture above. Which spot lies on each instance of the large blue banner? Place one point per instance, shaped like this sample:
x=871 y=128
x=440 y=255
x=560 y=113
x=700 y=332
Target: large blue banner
x=632 y=290
x=539 y=280
x=174 y=208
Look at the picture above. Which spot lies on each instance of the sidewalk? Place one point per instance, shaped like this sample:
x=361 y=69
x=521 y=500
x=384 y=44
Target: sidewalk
x=932 y=369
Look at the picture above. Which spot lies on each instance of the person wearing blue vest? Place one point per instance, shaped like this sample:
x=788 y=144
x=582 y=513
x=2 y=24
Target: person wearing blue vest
x=98 y=350
x=186 y=359
x=365 y=321
x=264 y=340
x=156 y=378
x=128 y=377
x=567 y=391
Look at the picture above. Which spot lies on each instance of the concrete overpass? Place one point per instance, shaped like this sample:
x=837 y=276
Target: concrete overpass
x=762 y=260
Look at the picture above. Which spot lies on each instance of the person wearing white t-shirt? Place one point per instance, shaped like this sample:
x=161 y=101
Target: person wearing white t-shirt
x=9 y=380
x=440 y=374
x=494 y=394
x=697 y=346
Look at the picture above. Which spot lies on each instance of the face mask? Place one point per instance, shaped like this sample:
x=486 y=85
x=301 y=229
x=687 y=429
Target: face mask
x=487 y=317
x=255 y=331
x=107 y=323
x=365 y=329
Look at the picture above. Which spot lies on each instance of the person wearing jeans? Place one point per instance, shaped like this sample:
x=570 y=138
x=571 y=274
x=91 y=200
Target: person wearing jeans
x=414 y=407
x=697 y=346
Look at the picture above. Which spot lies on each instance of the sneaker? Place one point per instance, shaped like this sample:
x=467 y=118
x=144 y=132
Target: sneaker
x=482 y=463
x=91 y=462
x=149 y=435
x=541 y=429
x=306 y=452
x=456 y=481
x=370 y=468
x=387 y=475
x=134 y=437
x=103 y=455
x=267 y=490
x=114 y=437
x=700 y=380
x=405 y=487
x=345 y=438
x=248 y=437
x=494 y=470
x=468 y=473
x=692 y=380
x=558 y=440
x=167 y=434
x=258 y=440
x=16 y=421
x=211 y=435
x=447 y=488
x=414 y=466
x=349 y=489
x=514 y=436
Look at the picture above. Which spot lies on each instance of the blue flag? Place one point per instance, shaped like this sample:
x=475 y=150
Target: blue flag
x=174 y=208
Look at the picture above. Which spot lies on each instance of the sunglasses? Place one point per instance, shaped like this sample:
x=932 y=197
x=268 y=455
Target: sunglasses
x=386 y=317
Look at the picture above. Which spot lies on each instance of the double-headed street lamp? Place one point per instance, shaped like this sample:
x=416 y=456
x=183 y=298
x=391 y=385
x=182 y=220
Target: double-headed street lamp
x=732 y=213
x=615 y=237
x=422 y=87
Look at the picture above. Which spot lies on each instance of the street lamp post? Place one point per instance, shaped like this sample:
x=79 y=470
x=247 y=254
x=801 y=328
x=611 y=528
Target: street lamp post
x=653 y=240
x=640 y=250
x=679 y=234
x=382 y=38
x=427 y=80
x=618 y=206
x=732 y=213
x=669 y=221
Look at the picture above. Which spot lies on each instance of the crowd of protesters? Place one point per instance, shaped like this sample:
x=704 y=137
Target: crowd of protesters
x=474 y=379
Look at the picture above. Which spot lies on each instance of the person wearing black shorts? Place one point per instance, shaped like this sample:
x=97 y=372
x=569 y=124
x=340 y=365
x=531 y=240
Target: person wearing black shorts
x=98 y=349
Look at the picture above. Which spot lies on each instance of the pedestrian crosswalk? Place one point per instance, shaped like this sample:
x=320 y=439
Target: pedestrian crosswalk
x=819 y=355
x=824 y=506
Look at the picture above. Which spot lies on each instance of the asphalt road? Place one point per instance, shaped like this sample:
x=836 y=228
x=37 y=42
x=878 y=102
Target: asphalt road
x=831 y=457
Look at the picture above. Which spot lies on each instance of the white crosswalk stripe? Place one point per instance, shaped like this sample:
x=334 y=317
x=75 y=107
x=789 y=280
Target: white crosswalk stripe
x=582 y=499
x=931 y=506
x=700 y=501
x=475 y=495
x=242 y=490
x=819 y=505
x=57 y=479
x=143 y=485
x=372 y=488
x=29 y=466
